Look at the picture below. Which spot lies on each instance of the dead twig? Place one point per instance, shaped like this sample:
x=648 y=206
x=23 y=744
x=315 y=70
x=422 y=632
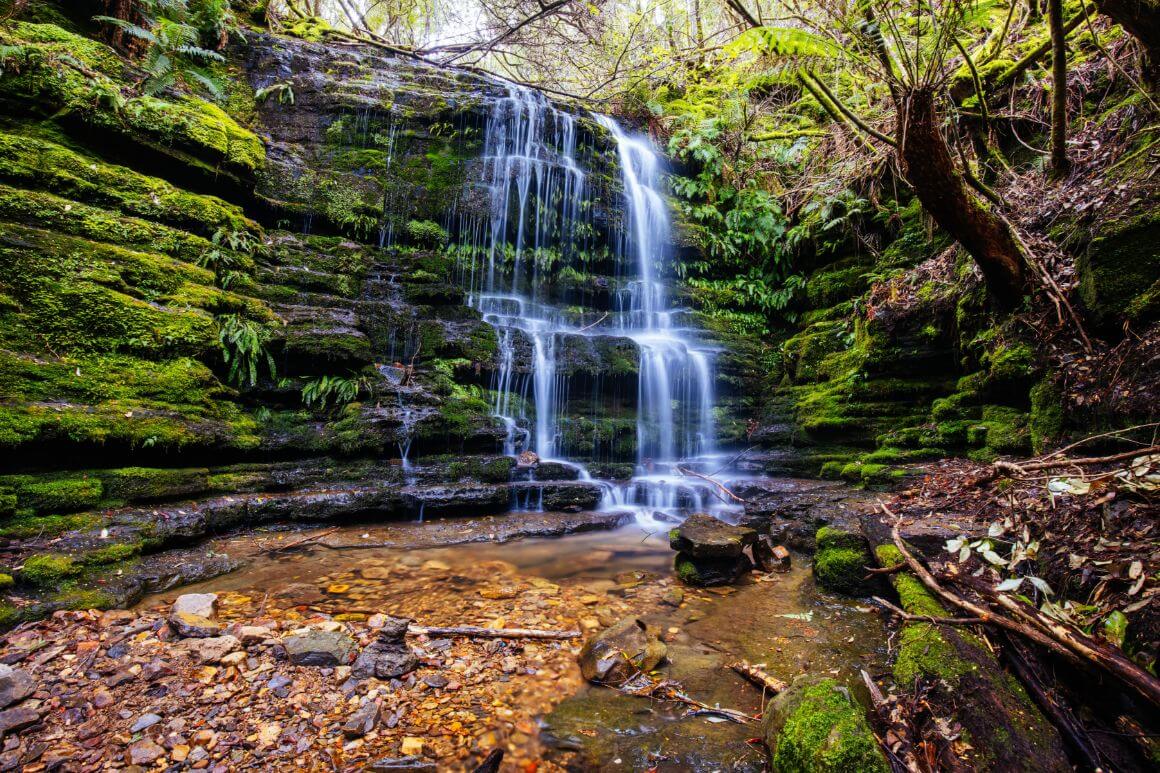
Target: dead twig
x=717 y=484
x=298 y=543
x=477 y=632
x=908 y=617
x=1013 y=468
x=759 y=676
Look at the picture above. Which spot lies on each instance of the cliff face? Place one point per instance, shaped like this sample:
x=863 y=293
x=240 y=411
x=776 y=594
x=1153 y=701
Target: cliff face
x=258 y=300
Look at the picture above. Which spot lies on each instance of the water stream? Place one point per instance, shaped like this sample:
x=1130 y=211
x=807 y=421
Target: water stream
x=540 y=227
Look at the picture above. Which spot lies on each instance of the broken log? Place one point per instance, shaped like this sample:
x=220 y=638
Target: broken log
x=759 y=676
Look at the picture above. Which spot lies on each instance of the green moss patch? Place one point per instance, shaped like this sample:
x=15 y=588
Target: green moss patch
x=814 y=727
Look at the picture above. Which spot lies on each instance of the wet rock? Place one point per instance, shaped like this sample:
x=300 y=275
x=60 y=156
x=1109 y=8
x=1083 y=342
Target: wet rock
x=208 y=650
x=617 y=653
x=707 y=573
x=362 y=721
x=16 y=719
x=189 y=625
x=674 y=597
x=145 y=752
x=816 y=725
x=15 y=685
x=841 y=561
x=770 y=557
x=200 y=604
x=703 y=536
x=388 y=656
x=320 y=648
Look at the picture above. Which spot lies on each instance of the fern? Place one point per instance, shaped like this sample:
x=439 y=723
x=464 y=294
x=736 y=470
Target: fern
x=283 y=91
x=243 y=346
x=335 y=390
x=174 y=54
x=784 y=41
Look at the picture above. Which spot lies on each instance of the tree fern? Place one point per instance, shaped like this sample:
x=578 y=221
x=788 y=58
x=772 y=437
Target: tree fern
x=784 y=41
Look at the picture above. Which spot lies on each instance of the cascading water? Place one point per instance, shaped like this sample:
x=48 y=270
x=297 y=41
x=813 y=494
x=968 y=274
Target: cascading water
x=539 y=225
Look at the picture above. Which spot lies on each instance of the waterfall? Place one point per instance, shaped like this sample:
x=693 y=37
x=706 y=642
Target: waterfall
x=540 y=223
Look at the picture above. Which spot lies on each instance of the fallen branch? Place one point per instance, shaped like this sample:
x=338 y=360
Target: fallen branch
x=594 y=324
x=759 y=676
x=908 y=617
x=720 y=487
x=1086 y=461
x=870 y=570
x=1033 y=625
x=298 y=543
x=478 y=632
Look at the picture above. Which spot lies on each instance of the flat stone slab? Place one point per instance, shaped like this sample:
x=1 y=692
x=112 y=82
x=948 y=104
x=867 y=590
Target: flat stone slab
x=703 y=536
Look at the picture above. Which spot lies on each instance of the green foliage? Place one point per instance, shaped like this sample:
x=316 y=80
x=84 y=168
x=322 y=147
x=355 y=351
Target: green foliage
x=229 y=257
x=283 y=92
x=173 y=33
x=334 y=390
x=46 y=570
x=243 y=347
x=426 y=233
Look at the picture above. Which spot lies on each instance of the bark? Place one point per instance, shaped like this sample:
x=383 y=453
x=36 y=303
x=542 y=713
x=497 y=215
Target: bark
x=927 y=164
x=1060 y=164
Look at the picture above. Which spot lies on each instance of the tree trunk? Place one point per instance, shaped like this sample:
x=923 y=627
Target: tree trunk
x=930 y=169
x=1060 y=164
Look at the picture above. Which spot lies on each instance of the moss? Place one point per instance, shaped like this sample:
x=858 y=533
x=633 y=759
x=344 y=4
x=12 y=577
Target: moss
x=112 y=554
x=144 y=484
x=88 y=598
x=25 y=526
x=840 y=561
x=48 y=569
x=58 y=494
x=816 y=726
x=1118 y=272
x=6 y=581
x=1046 y=420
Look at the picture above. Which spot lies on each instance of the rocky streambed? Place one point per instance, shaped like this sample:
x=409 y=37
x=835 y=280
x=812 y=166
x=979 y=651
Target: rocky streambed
x=297 y=658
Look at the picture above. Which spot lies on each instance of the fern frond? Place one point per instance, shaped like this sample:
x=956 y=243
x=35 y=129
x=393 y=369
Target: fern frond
x=209 y=82
x=784 y=41
x=200 y=53
x=133 y=30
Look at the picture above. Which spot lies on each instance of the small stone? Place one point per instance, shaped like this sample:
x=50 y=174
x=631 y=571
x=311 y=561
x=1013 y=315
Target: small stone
x=200 y=604
x=337 y=588
x=210 y=650
x=388 y=656
x=410 y=764
x=189 y=625
x=16 y=719
x=320 y=648
x=500 y=592
x=234 y=658
x=411 y=746
x=253 y=634
x=102 y=698
x=437 y=681
x=436 y=566
x=362 y=721
x=144 y=721
x=15 y=685
x=674 y=597
x=179 y=752
x=145 y=752
x=618 y=653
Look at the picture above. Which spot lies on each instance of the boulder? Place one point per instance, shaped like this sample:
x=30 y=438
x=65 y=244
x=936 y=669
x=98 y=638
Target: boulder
x=617 y=653
x=703 y=536
x=815 y=725
x=388 y=656
x=706 y=573
x=15 y=685
x=841 y=561
x=319 y=648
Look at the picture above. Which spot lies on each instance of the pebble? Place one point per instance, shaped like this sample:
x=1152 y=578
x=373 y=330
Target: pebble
x=144 y=721
x=145 y=752
x=15 y=685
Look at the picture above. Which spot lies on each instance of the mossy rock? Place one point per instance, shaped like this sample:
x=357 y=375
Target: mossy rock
x=841 y=570
x=831 y=537
x=706 y=573
x=815 y=726
x=1046 y=421
x=1119 y=271
x=54 y=494
x=149 y=484
x=46 y=570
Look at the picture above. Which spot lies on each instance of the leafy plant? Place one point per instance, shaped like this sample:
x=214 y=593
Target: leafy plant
x=283 y=92
x=172 y=34
x=228 y=258
x=243 y=346
x=333 y=390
